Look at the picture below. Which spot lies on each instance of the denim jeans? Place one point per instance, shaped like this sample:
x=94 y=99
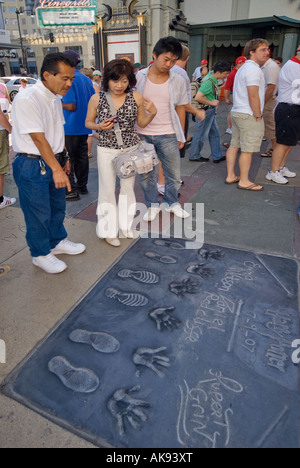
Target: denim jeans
x=208 y=128
x=167 y=150
x=43 y=205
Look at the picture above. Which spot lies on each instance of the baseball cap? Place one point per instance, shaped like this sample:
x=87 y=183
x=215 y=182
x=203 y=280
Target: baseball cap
x=137 y=65
x=97 y=72
x=204 y=62
x=241 y=59
x=73 y=56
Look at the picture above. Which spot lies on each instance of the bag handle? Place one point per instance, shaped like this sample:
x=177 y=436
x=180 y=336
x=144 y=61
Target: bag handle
x=116 y=124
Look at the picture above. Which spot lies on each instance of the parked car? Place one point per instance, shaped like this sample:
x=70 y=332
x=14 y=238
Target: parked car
x=13 y=84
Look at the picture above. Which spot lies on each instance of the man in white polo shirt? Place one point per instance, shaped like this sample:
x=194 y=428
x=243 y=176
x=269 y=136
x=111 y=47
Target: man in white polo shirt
x=287 y=119
x=248 y=105
x=38 y=139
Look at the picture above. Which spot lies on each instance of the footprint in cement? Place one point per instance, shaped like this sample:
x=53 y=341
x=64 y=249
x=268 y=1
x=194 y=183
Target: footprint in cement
x=80 y=380
x=100 y=341
x=143 y=276
x=128 y=299
x=162 y=259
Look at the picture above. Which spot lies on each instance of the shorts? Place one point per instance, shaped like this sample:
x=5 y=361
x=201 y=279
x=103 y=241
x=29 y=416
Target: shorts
x=4 y=151
x=287 y=118
x=247 y=133
x=269 y=120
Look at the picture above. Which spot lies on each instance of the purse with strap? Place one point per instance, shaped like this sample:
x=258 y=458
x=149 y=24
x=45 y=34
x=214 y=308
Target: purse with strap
x=139 y=160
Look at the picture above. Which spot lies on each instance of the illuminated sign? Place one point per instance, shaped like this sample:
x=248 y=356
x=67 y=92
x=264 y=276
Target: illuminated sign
x=53 y=13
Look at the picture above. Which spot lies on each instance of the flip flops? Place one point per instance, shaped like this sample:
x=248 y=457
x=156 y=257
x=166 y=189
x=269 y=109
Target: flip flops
x=235 y=181
x=251 y=188
x=268 y=154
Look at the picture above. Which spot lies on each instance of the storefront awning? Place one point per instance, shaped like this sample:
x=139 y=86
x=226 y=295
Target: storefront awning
x=237 y=32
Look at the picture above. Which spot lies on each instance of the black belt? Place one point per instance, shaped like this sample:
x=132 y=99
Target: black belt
x=36 y=156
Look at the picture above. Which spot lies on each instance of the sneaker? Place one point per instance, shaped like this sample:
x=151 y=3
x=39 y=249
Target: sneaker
x=113 y=242
x=276 y=177
x=49 y=263
x=285 y=172
x=178 y=211
x=229 y=131
x=161 y=189
x=69 y=248
x=151 y=214
x=7 y=202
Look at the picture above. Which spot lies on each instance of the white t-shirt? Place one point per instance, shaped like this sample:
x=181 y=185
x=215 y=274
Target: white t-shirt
x=289 y=83
x=271 y=73
x=37 y=110
x=250 y=74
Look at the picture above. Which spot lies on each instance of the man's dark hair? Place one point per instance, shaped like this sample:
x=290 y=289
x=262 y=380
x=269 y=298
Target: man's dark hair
x=222 y=67
x=51 y=63
x=115 y=69
x=168 y=44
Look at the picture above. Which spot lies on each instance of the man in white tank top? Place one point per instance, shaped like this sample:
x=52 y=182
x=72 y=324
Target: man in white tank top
x=166 y=131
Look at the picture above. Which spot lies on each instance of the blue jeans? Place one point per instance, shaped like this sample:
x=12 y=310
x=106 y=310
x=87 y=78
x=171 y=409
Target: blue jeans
x=167 y=150
x=208 y=128
x=43 y=205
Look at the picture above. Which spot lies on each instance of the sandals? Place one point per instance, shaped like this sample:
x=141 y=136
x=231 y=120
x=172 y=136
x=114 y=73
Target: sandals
x=234 y=181
x=268 y=154
x=251 y=188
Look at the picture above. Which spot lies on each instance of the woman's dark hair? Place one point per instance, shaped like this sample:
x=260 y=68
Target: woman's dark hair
x=168 y=44
x=115 y=69
x=51 y=63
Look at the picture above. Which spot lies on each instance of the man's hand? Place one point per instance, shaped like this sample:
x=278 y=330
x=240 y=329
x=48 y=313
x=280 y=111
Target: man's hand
x=181 y=144
x=200 y=114
x=61 y=179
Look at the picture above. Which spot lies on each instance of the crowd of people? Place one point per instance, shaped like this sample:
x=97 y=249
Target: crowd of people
x=54 y=122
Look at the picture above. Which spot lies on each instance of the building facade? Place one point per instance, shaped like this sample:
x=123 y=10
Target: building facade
x=222 y=30
x=218 y=29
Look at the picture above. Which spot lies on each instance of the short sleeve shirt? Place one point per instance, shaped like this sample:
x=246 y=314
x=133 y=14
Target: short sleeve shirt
x=250 y=74
x=37 y=110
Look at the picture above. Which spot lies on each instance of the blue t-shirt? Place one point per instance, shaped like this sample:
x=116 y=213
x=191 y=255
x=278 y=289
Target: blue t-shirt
x=80 y=93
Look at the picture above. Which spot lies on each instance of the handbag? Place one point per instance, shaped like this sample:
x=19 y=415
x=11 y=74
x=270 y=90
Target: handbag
x=139 y=160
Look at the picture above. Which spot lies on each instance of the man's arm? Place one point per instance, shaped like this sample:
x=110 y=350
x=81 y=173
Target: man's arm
x=61 y=180
x=200 y=97
x=4 y=122
x=254 y=100
x=270 y=92
x=181 y=114
x=69 y=107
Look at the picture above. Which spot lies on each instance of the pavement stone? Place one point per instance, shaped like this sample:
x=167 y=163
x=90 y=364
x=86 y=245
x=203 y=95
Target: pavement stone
x=32 y=303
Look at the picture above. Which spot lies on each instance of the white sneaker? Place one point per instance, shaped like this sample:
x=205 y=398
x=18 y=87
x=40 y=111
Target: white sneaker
x=49 y=263
x=276 y=177
x=178 y=211
x=7 y=202
x=114 y=242
x=285 y=172
x=161 y=189
x=229 y=131
x=151 y=214
x=69 y=248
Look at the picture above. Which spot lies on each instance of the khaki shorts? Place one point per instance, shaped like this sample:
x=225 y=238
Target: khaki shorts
x=247 y=133
x=269 y=119
x=4 y=151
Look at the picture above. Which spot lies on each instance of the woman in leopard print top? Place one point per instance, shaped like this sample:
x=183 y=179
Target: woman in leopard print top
x=131 y=107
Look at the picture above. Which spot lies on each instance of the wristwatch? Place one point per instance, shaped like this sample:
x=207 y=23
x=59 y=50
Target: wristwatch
x=258 y=118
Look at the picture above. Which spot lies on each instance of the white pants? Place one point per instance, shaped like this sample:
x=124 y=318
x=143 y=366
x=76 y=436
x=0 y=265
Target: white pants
x=112 y=217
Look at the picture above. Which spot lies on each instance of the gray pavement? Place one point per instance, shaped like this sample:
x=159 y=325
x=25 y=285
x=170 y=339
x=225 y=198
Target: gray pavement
x=32 y=302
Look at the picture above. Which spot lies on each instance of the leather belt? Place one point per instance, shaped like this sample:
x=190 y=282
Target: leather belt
x=36 y=156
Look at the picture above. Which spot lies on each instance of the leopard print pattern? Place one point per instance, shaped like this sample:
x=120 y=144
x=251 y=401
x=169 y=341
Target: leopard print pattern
x=127 y=115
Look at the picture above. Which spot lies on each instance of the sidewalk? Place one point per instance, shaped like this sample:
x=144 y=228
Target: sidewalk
x=32 y=303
